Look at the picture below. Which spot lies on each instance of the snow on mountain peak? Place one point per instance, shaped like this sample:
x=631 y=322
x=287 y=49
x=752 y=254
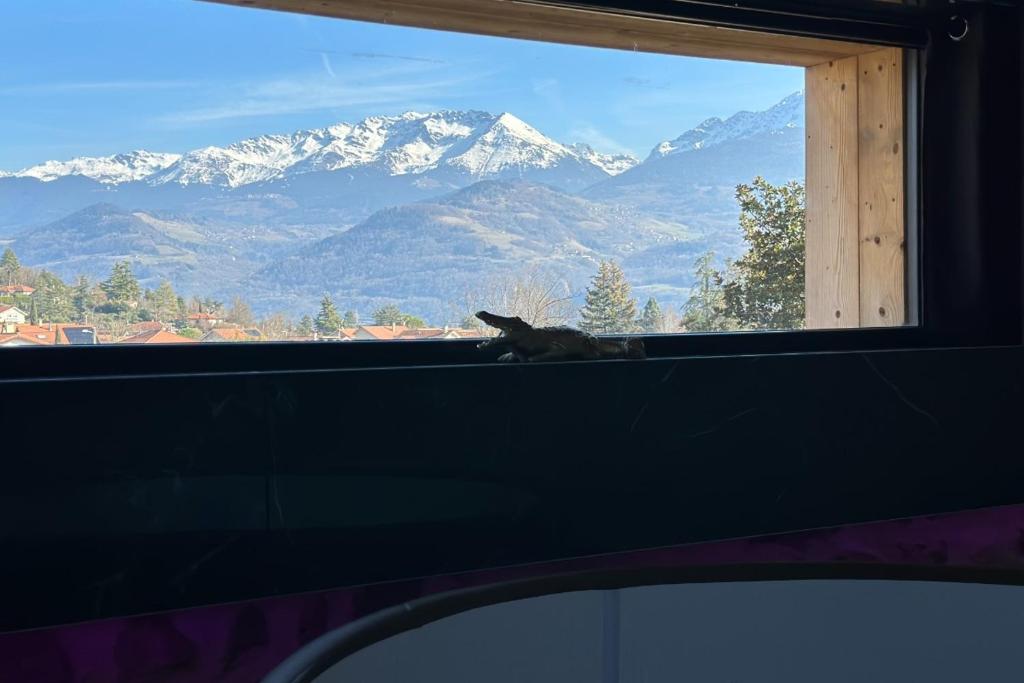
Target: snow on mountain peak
x=477 y=143
x=612 y=164
x=788 y=113
x=111 y=170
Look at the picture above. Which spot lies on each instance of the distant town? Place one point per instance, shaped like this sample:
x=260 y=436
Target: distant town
x=38 y=309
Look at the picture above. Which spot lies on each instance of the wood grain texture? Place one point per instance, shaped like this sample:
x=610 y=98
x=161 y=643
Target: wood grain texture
x=882 y=252
x=832 y=267
x=576 y=27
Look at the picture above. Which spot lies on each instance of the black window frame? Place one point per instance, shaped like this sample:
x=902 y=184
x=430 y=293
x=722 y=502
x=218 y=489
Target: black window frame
x=963 y=222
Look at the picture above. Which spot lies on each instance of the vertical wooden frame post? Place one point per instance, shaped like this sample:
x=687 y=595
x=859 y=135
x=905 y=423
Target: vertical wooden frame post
x=855 y=217
x=832 y=262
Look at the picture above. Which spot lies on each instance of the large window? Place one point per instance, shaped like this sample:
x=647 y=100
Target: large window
x=242 y=175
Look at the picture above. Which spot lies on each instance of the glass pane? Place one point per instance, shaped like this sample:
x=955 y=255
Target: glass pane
x=773 y=632
x=302 y=178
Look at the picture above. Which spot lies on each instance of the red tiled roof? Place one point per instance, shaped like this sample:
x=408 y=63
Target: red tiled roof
x=41 y=334
x=422 y=333
x=382 y=331
x=202 y=316
x=148 y=326
x=6 y=339
x=16 y=289
x=157 y=337
x=231 y=334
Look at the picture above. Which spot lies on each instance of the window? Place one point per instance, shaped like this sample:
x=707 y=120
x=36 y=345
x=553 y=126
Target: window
x=299 y=178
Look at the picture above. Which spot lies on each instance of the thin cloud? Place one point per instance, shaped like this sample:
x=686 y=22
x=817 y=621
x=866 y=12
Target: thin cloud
x=407 y=58
x=383 y=88
x=326 y=61
x=92 y=86
x=379 y=55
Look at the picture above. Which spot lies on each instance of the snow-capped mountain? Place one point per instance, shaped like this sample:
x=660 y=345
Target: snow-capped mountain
x=612 y=164
x=477 y=143
x=112 y=170
x=474 y=143
x=789 y=113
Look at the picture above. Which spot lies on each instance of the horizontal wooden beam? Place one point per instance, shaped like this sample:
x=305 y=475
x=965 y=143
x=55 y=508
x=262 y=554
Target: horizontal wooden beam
x=513 y=19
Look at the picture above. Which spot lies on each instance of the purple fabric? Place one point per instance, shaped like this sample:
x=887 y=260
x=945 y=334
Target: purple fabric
x=242 y=642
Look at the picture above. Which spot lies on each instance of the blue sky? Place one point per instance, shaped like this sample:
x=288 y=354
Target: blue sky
x=105 y=76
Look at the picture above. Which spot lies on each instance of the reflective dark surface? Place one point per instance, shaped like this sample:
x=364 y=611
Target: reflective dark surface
x=156 y=493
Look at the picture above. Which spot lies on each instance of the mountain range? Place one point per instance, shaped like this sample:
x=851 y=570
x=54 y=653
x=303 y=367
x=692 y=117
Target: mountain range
x=409 y=209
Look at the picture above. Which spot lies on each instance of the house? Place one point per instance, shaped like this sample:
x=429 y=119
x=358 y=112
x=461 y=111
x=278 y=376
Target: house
x=51 y=334
x=17 y=289
x=232 y=334
x=204 y=321
x=12 y=314
x=379 y=332
x=77 y=335
x=157 y=337
x=29 y=337
x=430 y=333
x=145 y=326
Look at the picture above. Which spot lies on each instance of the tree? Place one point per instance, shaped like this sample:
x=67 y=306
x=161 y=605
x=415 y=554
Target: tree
x=652 y=320
x=704 y=311
x=471 y=322
x=9 y=266
x=328 y=322
x=275 y=326
x=162 y=303
x=54 y=299
x=388 y=315
x=767 y=288
x=538 y=296
x=239 y=313
x=33 y=312
x=207 y=305
x=351 y=319
x=121 y=288
x=609 y=306
x=83 y=299
x=305 y=327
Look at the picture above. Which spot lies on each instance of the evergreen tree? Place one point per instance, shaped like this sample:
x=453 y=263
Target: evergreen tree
x=392 y=315
x=33 y=312
x=328 y=322
x=351 y=319
x=162 y=303
x=305 y=327
x=704 y=311
x=121 y=288
x=54 y=299
x=767 y=291
x=652 y=320
x=83 y=299
x=9 y=266
x=609 y=307
x=388 y=315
